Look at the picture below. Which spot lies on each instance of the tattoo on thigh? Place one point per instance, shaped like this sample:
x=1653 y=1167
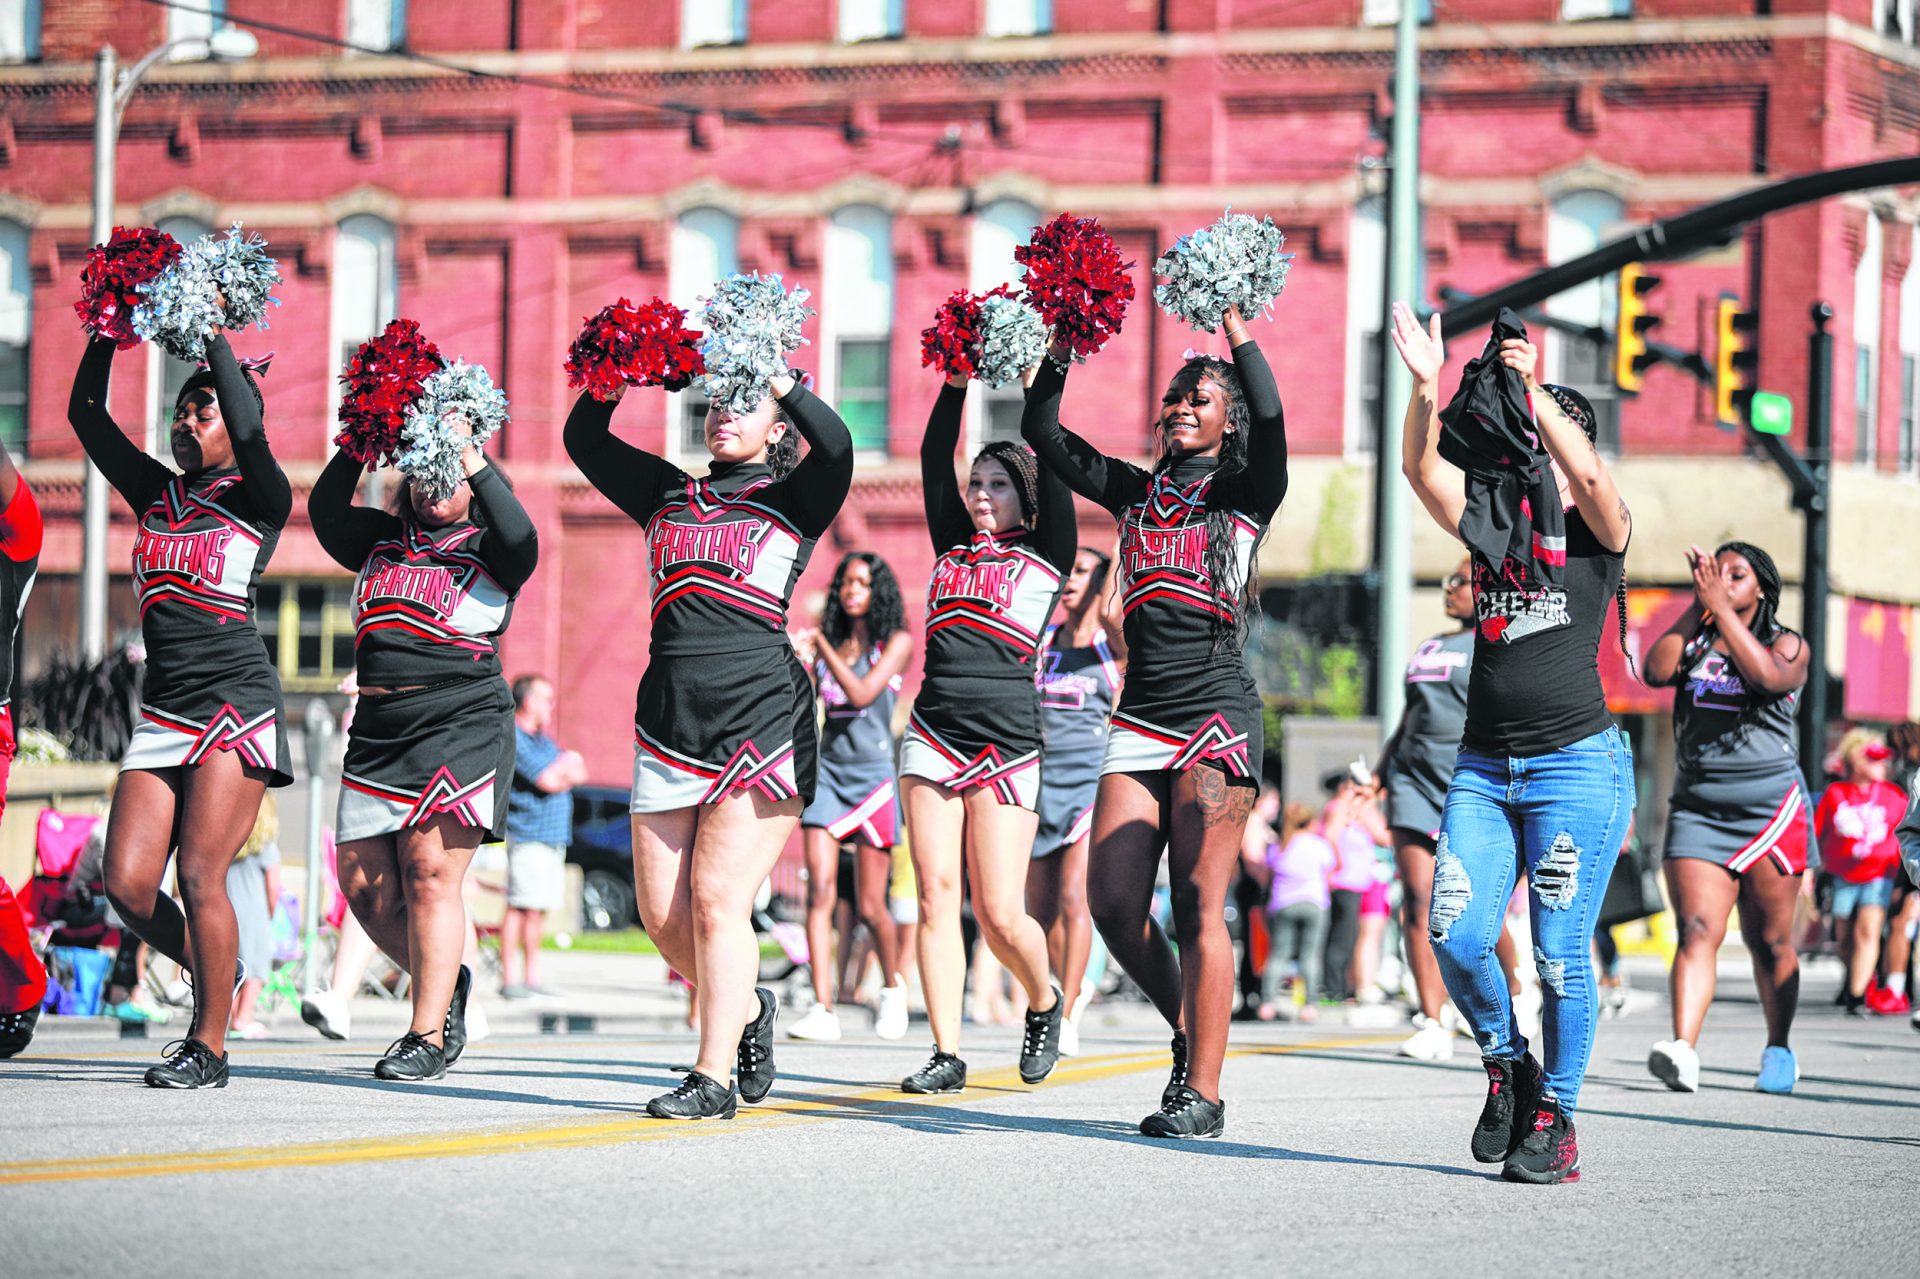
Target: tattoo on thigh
x=1220 y=804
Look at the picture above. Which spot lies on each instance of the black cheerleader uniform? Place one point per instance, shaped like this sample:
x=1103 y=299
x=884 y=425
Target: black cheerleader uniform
x=856 y=797
x=1187 y=700
x=977 y=719
x=1420 y=765
x=1077 y=690
x=204 y=539
x=724 y=707
x=429 y=606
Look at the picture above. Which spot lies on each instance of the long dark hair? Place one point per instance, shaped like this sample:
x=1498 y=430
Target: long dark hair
x=1580 y=409
x=784 y=453
x=886 y=613
x=1766 y=625
x=1221 y=530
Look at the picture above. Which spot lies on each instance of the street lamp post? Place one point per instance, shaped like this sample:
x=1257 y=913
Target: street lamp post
x=113 y=89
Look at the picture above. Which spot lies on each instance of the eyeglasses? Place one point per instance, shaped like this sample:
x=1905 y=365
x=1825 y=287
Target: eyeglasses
x=1453 y=582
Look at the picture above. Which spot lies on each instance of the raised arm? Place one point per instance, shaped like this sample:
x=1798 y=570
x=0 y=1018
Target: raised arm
x=510 y=548
x=1087 y=471
x=345 y=531
x=1056 y=533
x=1266 y=478
x=947 y=522
x=1588 y=478
x=1441 y=488
x=134 y=475
x=1774 y=669
x=632 y=479
x=817 y=489
x=265 y=482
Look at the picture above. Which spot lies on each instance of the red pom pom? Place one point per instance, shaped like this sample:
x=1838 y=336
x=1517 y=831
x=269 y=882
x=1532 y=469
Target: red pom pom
x=952 y=340
x=1077 y=281
x=628 y=345
x=382 y=381
x=110 y=282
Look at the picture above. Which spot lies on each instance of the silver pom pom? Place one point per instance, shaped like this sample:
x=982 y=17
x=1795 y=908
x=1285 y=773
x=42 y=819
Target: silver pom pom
x=752 y=325
x=431 y=447
x=1013 y=339
x=1235 y=262
x=182 y=307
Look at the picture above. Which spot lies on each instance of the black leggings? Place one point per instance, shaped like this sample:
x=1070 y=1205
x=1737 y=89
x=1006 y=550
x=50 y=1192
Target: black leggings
x=1343 y=928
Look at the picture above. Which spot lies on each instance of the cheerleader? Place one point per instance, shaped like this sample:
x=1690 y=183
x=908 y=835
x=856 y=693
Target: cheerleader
x=208 y=742
x=970 y=764
x=857 y=655
x=725 y=742
x=1080 y=666
x=430 y=752
x=1183 y=758
x=23 y=980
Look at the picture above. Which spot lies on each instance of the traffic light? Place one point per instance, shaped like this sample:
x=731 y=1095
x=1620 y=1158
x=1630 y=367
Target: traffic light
x=1630 y=356
x=1735 y=360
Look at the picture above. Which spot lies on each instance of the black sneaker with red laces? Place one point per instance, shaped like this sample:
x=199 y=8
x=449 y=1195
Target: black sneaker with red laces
x=1513 y=1087
x=1548 y=1153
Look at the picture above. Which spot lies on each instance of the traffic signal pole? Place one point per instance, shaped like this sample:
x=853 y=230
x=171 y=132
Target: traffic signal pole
x=1815 y=503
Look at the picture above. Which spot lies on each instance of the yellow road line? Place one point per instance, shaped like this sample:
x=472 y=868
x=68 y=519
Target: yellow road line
x=601 y=1132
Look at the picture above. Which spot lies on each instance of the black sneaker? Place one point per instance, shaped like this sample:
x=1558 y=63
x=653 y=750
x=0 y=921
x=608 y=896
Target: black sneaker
x=412 y=1057
x=1178 y=1079
x=1513 y=1087
x=1040 y=1049
x=1547 y=1153
x=1853 y=1005
x=189 y=1064
x=1185 y=1113
x=753 y=1060
x=16 y=1031
x=455 y=1033
x=697 y=1097
x=943 y=1072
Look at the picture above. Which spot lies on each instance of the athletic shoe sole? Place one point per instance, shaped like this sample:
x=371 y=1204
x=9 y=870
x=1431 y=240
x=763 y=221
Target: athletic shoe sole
x=314 y=1017
x=1664 y=1068
x=1209 y=1135
x=153 y=1082
x=1522 y=1177
x=932 y=1092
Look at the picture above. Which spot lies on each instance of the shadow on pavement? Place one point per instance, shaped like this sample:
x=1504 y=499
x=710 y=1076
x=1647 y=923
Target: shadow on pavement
x=1687 y=1121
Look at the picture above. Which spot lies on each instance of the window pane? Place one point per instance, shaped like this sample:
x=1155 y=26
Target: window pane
x=862 y=365
x=693 y=423
x=1001 y=420
x=867 y=420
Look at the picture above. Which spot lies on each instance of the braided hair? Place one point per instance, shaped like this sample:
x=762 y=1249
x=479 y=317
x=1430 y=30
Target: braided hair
x=886 y=613
x=1766 y=625
x=1222 y=529
x=1024 y=469
x=1580 y=409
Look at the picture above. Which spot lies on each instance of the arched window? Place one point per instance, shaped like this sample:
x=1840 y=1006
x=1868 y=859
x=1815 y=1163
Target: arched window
x=167 y=375
x=1578 y=223
x=366 y=294
x=1366 y=317
x=998 y=229
x=16 y=335
x=857 y=318
x=1866 y=345
x=705 y=247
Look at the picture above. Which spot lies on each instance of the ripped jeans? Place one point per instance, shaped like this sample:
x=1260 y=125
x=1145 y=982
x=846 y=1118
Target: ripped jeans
x=1561 y=818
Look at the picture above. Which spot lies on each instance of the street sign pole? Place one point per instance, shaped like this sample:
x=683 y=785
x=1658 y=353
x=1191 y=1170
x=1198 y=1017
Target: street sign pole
x=1813 y=573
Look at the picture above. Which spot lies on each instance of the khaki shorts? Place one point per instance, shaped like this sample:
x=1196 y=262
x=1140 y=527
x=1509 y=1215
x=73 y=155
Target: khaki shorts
x=536 y=875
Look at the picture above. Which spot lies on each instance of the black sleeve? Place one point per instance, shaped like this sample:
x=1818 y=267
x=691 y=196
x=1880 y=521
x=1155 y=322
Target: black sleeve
x=1108 y=481
x=817 y=488
x=632 y=479
x=510 y=548
x=947 y=522
x=1057 y=532
x=346 y=532
x=135 y=476
x=1266 y=475
x=266 y=484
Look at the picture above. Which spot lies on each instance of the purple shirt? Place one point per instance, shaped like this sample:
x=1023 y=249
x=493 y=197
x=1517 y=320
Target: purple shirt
x=1355 y=871
x=1300 y=871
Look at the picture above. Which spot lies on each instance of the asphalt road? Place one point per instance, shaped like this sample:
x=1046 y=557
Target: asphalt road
x=534 y=1158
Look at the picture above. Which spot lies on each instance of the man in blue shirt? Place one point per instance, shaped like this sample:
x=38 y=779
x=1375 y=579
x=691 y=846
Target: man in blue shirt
x=539 y=828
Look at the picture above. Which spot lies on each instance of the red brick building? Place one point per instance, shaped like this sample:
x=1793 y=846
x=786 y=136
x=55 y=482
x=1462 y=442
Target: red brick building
x=887 y=152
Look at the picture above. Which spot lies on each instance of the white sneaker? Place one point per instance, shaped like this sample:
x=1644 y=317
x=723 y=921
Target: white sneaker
x=890 y=1016
x=477 y=1027
x=1779 y=1072
x=820 y=1023
x=327 y=1012
x=1432 y=1042
x=1675 y=1063
x=1370 y=996
x=1069 y=1039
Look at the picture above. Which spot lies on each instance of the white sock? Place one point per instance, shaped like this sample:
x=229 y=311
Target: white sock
x=1895 y=984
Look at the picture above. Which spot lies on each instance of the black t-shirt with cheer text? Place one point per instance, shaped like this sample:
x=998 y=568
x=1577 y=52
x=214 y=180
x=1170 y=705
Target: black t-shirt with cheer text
x=1536 y=654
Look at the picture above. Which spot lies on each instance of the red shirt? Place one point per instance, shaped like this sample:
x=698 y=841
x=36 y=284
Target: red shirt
x=1855 y=823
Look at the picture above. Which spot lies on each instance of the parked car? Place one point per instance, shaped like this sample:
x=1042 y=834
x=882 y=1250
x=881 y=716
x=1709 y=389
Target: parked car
x=603 y=849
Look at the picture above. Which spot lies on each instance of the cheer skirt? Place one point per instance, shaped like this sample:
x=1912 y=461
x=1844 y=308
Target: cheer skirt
x=1170 y=720
x=446 y=748
x=242 y=711
x=1068 y=784
x=706 y=728
x=976 y=731
x=1737 y=822
x=856 y=800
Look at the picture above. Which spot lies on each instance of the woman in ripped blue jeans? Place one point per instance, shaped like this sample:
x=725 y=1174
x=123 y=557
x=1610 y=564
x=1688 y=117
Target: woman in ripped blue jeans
x=1544 y=782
